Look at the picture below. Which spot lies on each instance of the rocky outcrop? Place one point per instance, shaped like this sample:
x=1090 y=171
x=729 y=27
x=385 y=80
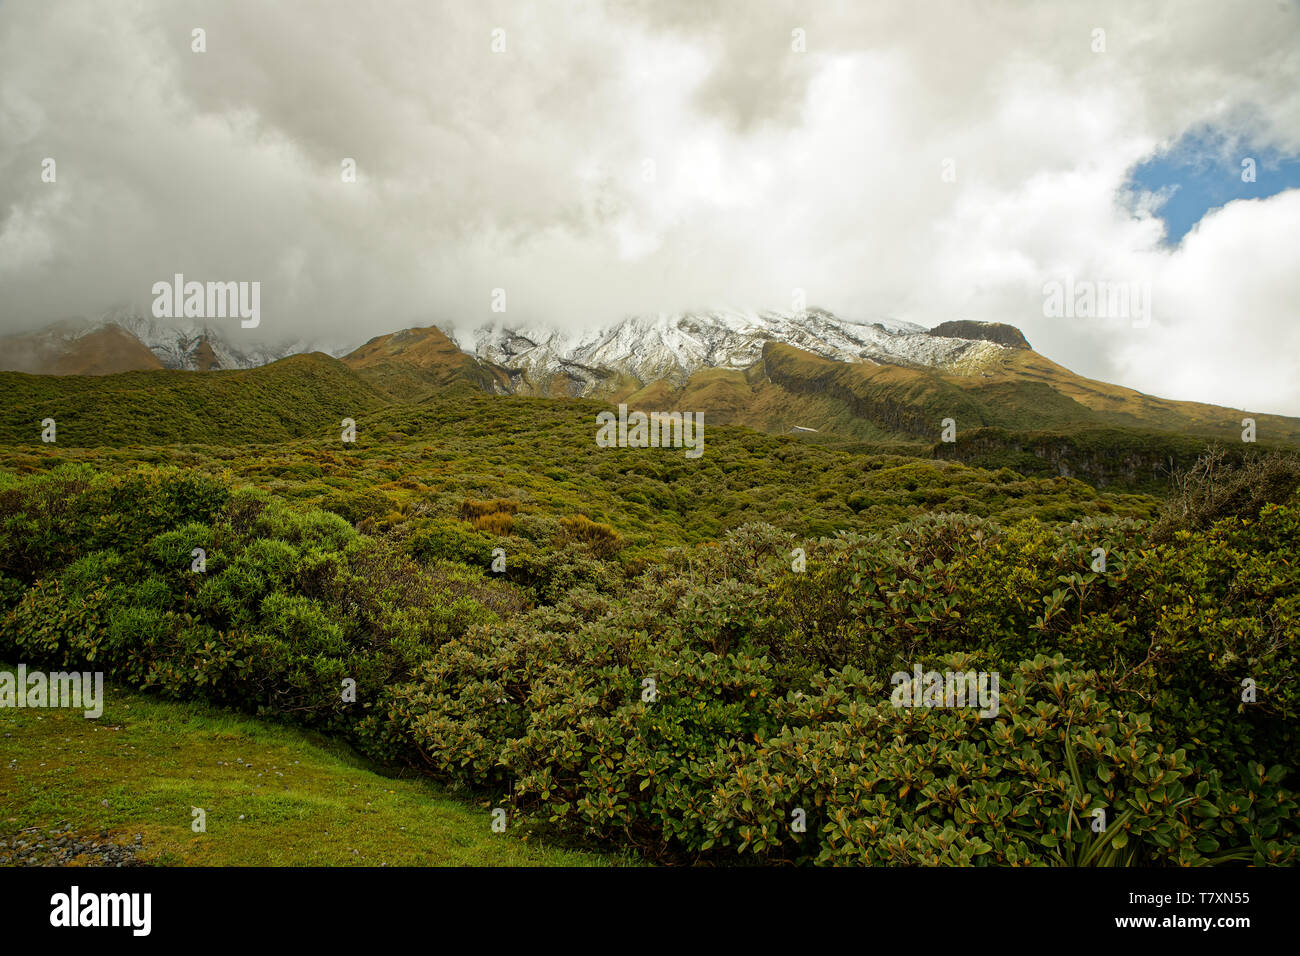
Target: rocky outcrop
x=995 y=332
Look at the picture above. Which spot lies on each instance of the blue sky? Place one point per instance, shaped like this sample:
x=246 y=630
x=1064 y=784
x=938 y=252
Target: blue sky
x=1203 y=171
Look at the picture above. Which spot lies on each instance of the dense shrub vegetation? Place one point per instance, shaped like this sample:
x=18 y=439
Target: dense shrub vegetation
x=1122 y=691
x=415 y=470
x=695 y=700
x=100 y=570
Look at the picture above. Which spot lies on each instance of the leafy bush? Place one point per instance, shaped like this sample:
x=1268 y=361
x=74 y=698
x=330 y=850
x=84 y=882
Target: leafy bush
x=1120 y=692
x=450 y=541
x=291 y=602
x=696 y=706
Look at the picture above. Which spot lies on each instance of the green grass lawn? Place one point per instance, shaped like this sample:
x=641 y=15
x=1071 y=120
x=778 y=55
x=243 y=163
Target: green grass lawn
x=296 y=799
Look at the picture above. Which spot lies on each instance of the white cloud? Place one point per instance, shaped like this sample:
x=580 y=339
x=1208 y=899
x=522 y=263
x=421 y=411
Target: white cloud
x=773 y=169
x=1225 y=325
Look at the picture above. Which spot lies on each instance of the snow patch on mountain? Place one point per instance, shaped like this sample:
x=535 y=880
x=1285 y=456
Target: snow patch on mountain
x=178 y=342
x=675 y=346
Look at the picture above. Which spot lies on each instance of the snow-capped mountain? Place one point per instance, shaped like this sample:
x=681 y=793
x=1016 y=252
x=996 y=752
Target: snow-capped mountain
x=673 y=347
x=191 y=344
x=631 y=352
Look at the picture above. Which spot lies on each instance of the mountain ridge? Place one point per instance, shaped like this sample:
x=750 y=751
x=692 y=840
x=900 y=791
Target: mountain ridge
x=180 y=344
x=878 y=381
x=672 y=347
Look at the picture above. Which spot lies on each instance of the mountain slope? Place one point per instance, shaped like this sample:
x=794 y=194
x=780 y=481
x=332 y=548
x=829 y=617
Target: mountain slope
x=979 y=373
x=71 y=348
x=885 y=383
x=409 y=364
x=201 y=344
x=1118 y=405
x=636 y=351
x=789 y=387
x=1025 y=412
x=304 y=395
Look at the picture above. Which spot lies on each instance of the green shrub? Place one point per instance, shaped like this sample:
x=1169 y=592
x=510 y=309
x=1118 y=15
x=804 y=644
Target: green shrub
x=450 y=541
x=689 y=709
x=751 y=719
x=291 y=602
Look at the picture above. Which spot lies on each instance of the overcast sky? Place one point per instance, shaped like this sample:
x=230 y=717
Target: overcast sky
x=773 y=169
